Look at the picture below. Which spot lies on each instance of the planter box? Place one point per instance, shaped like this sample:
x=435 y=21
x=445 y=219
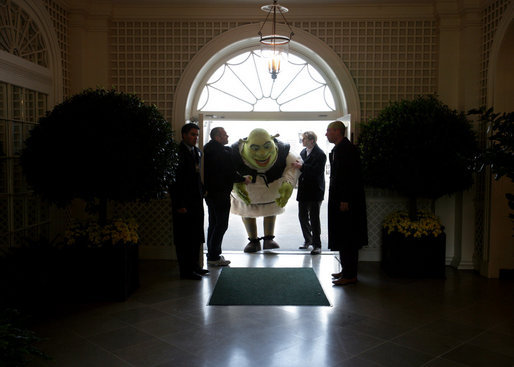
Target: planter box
x=413 y=257
x=101 y=274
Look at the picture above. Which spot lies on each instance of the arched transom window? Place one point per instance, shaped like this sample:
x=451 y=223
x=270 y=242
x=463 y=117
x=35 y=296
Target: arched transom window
x=244 y=84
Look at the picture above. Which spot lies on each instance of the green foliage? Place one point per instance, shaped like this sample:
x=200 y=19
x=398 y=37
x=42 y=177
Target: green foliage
x=16 y=341
x=499 y=155
x=420 y=148
x=100 y=144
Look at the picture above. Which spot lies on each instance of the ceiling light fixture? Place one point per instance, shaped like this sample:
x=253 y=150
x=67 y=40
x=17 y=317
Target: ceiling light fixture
x=274 y=47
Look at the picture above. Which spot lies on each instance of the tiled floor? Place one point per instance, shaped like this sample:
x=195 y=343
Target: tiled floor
x=465 y=320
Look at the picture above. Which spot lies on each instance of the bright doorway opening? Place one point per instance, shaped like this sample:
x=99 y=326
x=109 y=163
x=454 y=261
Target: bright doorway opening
x=287 y=230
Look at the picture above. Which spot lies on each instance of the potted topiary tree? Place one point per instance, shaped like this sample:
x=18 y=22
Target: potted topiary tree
x=100 y=146
x=421 y=149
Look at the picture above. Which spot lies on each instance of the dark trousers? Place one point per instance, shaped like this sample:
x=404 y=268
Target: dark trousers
x=187 y=244
x=349 y=261
x=308 y=214
x=219 y=211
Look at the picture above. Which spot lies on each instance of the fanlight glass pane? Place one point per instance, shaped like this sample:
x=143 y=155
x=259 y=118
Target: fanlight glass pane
x=243 y=83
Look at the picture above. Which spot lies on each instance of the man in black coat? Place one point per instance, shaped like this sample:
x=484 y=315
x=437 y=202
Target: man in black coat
x=187 y=205
x=311 y=190
x=347 y=223
x=219 y=176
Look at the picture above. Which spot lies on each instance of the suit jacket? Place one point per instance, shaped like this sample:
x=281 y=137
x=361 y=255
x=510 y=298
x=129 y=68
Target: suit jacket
x=311 y=183
x=187 y=191
x=346 y=185
x=219 y=170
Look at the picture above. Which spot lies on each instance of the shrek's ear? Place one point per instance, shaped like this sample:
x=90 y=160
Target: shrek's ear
x=243 y=140
x=275 y=136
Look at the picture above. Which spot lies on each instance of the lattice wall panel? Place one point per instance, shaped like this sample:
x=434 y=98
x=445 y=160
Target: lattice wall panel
x=380 y=203
x=154 y=218
x=389 y=59
x=148 y=58
x=377 y=210
x=491 y=17
x=60 y=20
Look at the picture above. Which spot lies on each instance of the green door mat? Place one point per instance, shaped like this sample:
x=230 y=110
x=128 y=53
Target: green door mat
x=268 y=287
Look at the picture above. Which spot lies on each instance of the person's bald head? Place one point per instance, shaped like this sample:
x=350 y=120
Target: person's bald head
x=336 y=131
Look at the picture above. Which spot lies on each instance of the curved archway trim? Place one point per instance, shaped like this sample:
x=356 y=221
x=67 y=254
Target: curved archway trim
x=309 y=46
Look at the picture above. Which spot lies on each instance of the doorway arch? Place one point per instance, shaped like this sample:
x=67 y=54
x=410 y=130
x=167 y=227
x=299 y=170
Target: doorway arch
x=218 y=50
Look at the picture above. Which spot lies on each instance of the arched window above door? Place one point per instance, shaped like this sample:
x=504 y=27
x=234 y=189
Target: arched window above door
x=243 y=84
x=321 y=66
x=20 y=34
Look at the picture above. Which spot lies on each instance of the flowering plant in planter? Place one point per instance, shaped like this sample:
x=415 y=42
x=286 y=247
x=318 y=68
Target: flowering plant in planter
x=117 y=232
x=426 y=225
x=101 y=260
x=419 y=148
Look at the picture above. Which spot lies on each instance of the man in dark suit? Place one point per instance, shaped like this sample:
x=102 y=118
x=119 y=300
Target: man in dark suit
x=311 y=190
x=187 y=205
x=219 y=177
x=347 y=226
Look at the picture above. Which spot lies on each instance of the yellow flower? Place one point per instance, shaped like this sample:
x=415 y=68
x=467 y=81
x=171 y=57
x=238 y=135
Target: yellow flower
x=427 y=224
x=91 y=234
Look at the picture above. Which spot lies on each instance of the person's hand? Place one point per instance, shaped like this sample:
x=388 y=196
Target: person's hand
x=248 y=179
x=344 y=206
x=240 y=189
x=182 y=210
x=297 y=164
x=285 y=191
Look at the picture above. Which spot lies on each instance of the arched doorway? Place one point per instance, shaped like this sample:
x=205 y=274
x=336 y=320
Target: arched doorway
x=221 y=93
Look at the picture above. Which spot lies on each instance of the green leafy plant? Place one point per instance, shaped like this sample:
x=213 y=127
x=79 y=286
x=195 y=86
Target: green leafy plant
x=17 y=343
x=420 y=148
x=499 y=155
x=100 y=145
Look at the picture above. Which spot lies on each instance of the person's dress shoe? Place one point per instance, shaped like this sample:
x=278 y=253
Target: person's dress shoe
x=202 y=271
x=191 y=276
x=305 y=246
x=316 y=251
x=344 y=281
x=337 y=275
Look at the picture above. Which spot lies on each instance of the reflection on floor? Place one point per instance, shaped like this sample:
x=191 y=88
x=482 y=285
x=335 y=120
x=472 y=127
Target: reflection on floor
x=464 y=320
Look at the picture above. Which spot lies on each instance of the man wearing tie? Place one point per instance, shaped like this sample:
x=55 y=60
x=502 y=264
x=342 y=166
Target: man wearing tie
x=187 y=205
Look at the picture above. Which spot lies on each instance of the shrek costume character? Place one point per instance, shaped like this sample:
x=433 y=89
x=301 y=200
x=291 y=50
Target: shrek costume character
x=269 y=163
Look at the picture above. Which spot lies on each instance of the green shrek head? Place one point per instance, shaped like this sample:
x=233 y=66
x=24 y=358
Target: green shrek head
x=259 y=150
